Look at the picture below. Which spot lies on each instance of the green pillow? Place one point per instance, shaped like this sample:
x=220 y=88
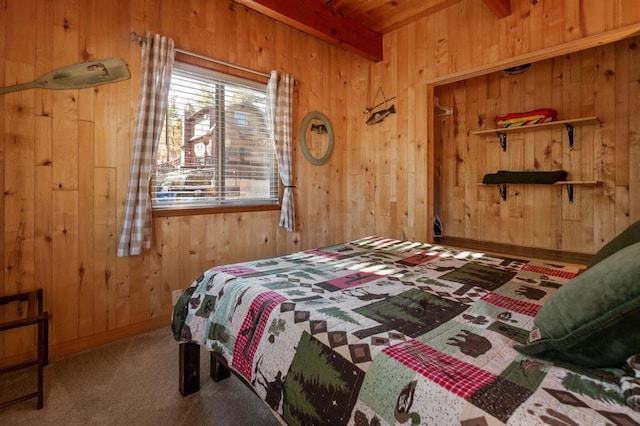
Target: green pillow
x=594 y=319
x=629 y=236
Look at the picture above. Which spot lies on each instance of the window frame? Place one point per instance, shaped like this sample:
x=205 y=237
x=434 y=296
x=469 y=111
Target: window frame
x=173 y=211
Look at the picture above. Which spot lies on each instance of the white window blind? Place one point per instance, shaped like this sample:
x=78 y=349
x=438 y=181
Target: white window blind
x=215 y=148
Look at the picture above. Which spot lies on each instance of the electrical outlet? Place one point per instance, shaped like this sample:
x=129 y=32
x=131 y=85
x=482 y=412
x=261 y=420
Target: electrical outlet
x=175 y=295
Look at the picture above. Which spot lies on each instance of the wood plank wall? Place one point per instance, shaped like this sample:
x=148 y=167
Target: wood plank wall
x=388 y=174
x=65 y=163
x=65 y=155
x=600 y=82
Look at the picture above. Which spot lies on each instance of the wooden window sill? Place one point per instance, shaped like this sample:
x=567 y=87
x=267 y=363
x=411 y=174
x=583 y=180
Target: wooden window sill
x=195 y=211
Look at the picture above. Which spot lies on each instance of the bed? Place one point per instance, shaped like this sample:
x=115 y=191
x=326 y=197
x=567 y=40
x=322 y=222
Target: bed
x=381 y=331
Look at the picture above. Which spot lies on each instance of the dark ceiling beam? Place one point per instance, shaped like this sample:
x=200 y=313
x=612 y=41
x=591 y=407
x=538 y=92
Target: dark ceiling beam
x=319 y=20
x=500 y=8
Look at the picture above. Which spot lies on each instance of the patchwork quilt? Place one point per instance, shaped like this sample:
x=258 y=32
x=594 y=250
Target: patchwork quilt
x=382 y=332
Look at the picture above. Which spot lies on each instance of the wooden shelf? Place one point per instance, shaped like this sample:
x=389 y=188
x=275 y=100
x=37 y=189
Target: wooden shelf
x=550 y=125
x=560 y=182
x=502 y=187
x=578 y=182
x=568 y=124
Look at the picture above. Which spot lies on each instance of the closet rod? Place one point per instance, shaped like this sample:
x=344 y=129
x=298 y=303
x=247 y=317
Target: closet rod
x=135 y=37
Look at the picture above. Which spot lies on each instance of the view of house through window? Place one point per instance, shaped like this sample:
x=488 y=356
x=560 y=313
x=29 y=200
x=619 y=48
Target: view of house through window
x=215 y=147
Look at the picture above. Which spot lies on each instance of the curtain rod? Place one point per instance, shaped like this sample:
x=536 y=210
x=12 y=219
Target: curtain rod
x=135 y=37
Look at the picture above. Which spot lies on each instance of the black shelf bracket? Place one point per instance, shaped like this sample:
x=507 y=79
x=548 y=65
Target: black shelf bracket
x=502 y=137
x=569 y=127
x=502 y=189
x=570 y=192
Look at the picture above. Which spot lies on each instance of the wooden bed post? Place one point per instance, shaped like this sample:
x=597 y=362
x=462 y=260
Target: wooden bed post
x=219 y=370
x=189 y=368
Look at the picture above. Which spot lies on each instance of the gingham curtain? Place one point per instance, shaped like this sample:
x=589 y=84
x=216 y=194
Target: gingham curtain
x=157 y=63
x=279 y=100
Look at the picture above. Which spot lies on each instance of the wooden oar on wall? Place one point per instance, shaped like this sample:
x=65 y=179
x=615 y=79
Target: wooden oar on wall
x=78 y=76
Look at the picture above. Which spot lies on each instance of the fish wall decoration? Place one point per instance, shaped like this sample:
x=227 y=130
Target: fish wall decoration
x=379 y=116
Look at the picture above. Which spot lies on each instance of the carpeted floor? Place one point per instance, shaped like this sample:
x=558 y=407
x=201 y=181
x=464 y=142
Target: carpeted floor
x=129 y=382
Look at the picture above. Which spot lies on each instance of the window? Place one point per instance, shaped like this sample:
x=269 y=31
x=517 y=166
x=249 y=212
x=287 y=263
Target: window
x=240 y=118
x=215 y=148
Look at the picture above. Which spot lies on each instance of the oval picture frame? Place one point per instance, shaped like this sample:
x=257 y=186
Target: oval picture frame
x=316 y=115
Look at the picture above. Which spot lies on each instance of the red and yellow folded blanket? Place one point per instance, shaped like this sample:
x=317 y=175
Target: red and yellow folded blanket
x=514 y=119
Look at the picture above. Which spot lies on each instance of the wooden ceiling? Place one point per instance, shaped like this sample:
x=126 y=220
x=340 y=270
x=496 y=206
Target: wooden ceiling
x=357 y=25
x=383 y=16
